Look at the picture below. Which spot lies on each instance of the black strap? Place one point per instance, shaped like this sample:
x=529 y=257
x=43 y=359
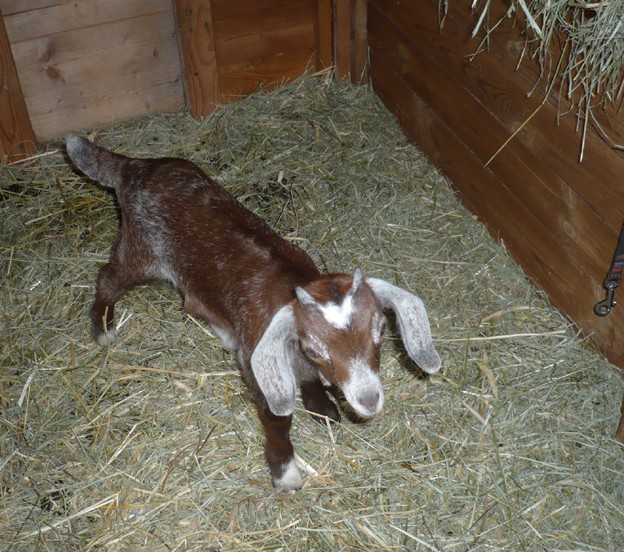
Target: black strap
x=613 y=279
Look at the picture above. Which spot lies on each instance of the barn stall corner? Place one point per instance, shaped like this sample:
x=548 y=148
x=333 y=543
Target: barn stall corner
x=153 y=443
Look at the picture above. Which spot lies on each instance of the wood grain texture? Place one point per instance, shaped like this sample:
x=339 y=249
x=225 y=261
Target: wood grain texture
x=89 y=63
x=492 y=76
x=350 y=40
x=324 y=35
x=225 y=9
x=263 y=44
x=17 y=139
x=343 y=22
x=240 y=80
x=459 y=113
x=359 y=46
x=197 y=44
x=258 y=35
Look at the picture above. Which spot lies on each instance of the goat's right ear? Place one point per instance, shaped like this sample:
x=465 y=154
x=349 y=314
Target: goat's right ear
x=271 y=362
x=413 y=322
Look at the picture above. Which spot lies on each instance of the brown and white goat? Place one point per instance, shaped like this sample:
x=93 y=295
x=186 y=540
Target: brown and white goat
x=261 y=294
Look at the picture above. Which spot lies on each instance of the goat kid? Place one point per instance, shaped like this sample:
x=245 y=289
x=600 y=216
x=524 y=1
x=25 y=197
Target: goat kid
x=262 y=295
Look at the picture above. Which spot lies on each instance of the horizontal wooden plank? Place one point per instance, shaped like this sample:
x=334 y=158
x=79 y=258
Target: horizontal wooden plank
x=492 y=77
x=541 y=189
x=85 y=14
x=279 y=31
x=11 y=7
x=113 y=39
x=109 y=109
x=524 y=195
x=247 y=77
x=224 y=9
x=64 y=75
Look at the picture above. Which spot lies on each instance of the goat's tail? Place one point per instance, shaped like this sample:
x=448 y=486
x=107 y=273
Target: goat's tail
x=97 y=163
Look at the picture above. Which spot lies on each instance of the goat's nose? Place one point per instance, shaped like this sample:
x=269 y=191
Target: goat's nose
x=370 y=400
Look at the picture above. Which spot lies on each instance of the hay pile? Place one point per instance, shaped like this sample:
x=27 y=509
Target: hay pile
x=579 y=46
x=154 y=445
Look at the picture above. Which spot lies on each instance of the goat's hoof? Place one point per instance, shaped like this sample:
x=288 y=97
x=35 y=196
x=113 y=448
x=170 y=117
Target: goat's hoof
x=290 y=480
x=107 y=338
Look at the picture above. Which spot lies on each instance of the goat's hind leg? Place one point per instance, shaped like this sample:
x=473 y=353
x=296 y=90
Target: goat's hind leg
x=111 y=286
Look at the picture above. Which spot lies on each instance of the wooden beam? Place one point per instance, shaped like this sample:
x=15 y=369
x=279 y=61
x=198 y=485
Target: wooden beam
x=350 y=40
x=197 y=45
x=342 y=15
x=324 y=35
x=359 y=42
x=17 y=139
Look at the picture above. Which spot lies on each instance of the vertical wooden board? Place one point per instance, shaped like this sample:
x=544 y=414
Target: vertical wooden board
x=17 y=139
x=197 y=44
x=359 y=47
x=342 y=38
x=324 y=35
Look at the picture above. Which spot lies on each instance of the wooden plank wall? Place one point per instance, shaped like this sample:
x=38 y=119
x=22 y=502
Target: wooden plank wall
x=89 y=63
x=233 y=48
x=98 y=62
x=17 y=138
x=558 y=217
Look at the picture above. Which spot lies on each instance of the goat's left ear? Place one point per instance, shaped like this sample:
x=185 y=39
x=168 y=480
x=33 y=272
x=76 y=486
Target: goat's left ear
x=412 y=320
x=272 y=360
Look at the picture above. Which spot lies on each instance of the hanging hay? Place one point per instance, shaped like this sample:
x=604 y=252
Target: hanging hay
x=153 y=444
x=579 y=46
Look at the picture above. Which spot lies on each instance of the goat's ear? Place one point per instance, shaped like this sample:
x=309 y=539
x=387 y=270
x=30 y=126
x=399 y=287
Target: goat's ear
x=271 y=362
x=412 y=320
x=358 y=276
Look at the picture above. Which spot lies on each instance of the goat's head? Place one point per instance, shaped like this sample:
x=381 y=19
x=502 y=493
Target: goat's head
x=337 y=324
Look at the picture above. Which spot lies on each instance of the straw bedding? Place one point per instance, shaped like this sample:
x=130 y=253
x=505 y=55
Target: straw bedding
x=153 y=444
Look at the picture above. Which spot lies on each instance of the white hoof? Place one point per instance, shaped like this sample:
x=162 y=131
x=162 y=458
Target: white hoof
x=290 y=479
x=106 y=339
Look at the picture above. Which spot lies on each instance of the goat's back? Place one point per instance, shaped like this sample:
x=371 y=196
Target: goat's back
x=191 y=231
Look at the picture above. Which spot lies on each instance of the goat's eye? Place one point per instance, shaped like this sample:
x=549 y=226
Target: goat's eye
x=382 y=330
x=310 y=352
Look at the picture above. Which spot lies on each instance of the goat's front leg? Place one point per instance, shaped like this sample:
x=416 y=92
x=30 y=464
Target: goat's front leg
x=279 y=450
x=317 y=402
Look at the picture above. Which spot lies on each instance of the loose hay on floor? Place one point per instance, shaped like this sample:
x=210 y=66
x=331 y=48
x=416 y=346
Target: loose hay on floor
x=154 y=445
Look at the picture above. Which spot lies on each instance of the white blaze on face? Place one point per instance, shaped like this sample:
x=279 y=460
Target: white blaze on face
x=363 y=389
x=339 y=316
